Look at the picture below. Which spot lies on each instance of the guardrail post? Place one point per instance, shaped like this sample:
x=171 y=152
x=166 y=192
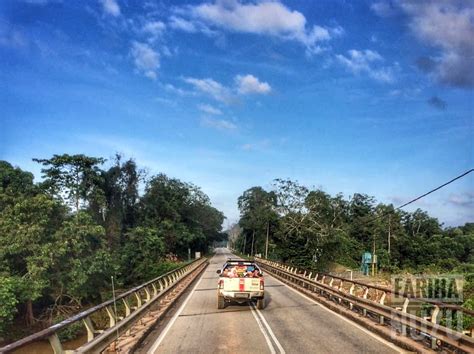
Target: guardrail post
x=351 y=291
x=89 y=328
x=56 y=344
x=155 y=290
x=330 y=282
x=381 y=301
x=434 y=319
x=127 y=307
x=340 y=288
x=434 y=314
x=316 y=277
x=309 y=276
x=161 y=285
x=112 y=319
x=364 y=296
x=139 y=299
x=382 y=298
x=148 y=295
x=403 y=328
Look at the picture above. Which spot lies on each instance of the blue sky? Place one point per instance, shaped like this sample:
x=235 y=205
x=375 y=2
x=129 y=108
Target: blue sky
x=348 y=96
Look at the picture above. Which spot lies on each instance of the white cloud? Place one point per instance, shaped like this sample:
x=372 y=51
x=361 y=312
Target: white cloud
x=182 y=24
x=212 y=88
x=450 y=27
x=154 y=28
x=445 y=25
x=383 y=8
x=247 y=84
x=206 y=108
x=189 y=26
x=250 y=84
x=265 y=18
x=146 y=60
x=365 y=61
x=179 y=91
x=465 y=200
x=220 y=124
x=111 y=7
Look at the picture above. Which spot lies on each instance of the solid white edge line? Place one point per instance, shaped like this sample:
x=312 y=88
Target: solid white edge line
x=380 y=339
x=269 y=329
x=176 y=315
x=260 y=325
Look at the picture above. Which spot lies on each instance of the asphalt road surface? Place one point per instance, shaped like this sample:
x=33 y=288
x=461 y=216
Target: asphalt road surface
x=290 y=323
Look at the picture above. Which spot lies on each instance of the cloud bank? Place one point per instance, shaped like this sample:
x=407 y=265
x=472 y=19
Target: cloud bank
x=447 y=25
x=270 y=18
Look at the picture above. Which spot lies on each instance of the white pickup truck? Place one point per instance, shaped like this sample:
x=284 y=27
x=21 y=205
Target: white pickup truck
x=240 y=281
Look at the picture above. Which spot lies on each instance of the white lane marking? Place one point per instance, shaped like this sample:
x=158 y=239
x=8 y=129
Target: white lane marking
x=269 y=329
x=176 y=315
x=387 y=343
x=260 y=325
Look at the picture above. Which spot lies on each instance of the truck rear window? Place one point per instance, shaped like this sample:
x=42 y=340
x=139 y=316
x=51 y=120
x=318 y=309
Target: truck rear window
x=240 y=270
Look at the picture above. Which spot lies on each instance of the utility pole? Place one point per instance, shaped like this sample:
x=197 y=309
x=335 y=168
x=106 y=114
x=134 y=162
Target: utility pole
x=373 y=257
x=253 y=240
x=266 y=244
x=389 y=231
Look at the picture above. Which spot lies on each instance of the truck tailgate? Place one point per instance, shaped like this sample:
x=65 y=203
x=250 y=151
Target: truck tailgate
x=241 y=284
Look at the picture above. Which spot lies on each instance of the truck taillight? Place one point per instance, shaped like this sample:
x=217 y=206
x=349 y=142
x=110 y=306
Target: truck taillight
x=221 y=284
x=261 y=284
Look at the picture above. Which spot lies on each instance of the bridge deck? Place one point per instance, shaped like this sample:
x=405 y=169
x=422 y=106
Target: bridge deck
x=290 y=323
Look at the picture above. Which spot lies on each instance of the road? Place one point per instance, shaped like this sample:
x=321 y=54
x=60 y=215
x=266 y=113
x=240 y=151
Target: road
x=290 y=323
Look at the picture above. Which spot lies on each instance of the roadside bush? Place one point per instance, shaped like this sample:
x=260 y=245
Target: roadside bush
x=8 y=302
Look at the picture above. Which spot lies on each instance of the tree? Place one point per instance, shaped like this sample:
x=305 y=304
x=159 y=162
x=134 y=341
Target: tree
x=117 y=211
x=140 y=256
x=74 y=178
x=184 y=210
x=28 y=247
x=53 y=261
x=256 y=215
x=85 y=264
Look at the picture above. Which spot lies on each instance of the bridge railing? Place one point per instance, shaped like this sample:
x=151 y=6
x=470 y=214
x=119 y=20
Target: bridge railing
x=372 y=300
x=122 y=312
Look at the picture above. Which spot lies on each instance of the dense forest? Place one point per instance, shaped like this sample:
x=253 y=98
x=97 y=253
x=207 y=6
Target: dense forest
x=62 y=239
x=309 y=228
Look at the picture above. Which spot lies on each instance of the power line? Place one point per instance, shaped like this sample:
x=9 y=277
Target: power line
x=437 y=188
x=423 y=195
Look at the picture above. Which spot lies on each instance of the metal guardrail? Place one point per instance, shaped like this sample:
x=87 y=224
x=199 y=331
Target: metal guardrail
x=370 y=301
x=134 y=303
x=375 y=292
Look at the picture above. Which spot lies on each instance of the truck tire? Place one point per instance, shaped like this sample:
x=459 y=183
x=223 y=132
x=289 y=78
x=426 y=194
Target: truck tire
x=220 y=302
x=261 y=303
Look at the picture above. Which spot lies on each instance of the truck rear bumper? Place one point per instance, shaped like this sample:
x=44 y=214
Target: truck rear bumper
x=245 y=295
